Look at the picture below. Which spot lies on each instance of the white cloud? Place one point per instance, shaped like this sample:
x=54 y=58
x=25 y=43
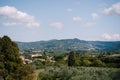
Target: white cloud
x=57 y=25
x=77 y=18
x=94 y=15
x=114 y=9
x=33 y=24
x=107 y=36
x=89 y=24
x=13 y=14
x=69 y=9
x=9 y=24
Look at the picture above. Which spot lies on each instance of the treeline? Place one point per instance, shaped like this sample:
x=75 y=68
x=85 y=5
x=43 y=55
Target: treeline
x=94 y=60
x=11 y=66
x=88 y=59
x=81 y=59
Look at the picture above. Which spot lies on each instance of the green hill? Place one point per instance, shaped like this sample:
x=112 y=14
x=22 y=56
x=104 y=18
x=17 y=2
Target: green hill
x=71 y=44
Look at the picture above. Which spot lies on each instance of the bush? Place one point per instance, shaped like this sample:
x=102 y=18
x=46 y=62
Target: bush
x=38 y=64
x=115 y=75
x=98 y=63
x=86 y=62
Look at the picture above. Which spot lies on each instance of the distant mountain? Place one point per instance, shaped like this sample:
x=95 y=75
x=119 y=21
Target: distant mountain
x=71 y=44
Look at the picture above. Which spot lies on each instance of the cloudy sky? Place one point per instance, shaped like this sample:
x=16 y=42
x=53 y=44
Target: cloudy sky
x=34 y=20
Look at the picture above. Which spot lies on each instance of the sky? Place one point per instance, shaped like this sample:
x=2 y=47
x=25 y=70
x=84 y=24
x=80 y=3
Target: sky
x=35 y=20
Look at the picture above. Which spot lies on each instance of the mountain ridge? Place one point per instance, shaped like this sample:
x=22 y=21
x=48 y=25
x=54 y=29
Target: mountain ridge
x=71 y=44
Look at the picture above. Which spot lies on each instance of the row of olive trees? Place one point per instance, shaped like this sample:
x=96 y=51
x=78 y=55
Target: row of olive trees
x=79 y=73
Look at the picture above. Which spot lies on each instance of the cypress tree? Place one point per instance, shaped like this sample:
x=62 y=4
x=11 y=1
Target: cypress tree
x=71 y=59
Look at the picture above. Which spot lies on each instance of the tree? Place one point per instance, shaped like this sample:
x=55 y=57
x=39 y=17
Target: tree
x=98 y=63
x=10 y=62
x=59 y=57
x=86 y=62
x=71 y=59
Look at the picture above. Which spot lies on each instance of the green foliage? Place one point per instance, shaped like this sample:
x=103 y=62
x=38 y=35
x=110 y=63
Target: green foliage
x=86 y=62
x=78 y=62
x=98 y=63
x=22 y=73
x=115 y=75
x=11 y=66
x=59 y=57
x=71 y=59
x=38 y=64
x=27 y=56
x=79 y=73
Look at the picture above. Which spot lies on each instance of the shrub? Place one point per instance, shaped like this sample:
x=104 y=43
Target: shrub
x=79 y=73
x=98 y=63
x=86 y=62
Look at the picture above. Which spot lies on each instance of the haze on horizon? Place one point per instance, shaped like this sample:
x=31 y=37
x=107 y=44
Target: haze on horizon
x=36 y=20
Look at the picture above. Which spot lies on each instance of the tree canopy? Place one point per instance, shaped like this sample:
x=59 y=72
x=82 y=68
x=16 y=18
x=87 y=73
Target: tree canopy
x=11 y=66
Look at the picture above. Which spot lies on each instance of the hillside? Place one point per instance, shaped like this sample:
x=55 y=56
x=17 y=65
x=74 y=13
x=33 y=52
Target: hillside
x=71 y=44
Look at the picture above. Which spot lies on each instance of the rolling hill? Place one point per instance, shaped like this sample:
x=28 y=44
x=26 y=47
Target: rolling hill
x=71 y=44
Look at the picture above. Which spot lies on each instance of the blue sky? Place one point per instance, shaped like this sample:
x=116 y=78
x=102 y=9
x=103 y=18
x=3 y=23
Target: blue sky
x=35 y=20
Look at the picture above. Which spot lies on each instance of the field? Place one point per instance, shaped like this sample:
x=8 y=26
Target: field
x=79 y=73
